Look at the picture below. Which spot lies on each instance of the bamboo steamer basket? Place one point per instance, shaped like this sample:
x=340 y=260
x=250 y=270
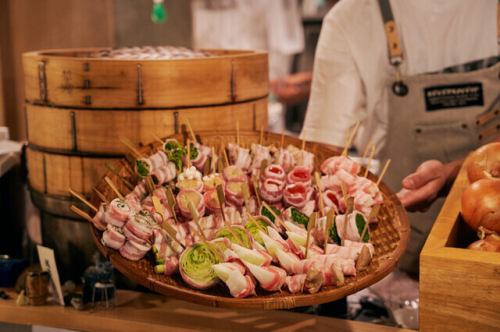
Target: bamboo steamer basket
x=389 y=236
x=72 y=78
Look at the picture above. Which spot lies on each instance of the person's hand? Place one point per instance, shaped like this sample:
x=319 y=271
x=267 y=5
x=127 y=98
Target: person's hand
x=420 y=189
x=292 y=89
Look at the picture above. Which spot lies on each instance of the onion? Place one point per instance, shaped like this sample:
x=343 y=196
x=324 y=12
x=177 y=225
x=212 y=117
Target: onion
x=489 y=243
x=484 y=163
x=481 y=204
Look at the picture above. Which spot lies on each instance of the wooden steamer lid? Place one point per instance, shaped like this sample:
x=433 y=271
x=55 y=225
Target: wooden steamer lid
x=72 y=78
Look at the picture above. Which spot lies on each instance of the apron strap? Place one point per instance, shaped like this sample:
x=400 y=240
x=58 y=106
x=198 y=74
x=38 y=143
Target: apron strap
x=391 y=32
x=394 y=42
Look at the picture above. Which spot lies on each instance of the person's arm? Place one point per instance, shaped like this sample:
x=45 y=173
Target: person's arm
x=431 y=180
x=337 y=99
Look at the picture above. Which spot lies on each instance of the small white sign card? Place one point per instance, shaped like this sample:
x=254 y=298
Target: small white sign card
x=48 y=263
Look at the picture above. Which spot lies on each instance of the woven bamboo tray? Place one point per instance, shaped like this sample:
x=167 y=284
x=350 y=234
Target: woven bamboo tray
x=389 y=237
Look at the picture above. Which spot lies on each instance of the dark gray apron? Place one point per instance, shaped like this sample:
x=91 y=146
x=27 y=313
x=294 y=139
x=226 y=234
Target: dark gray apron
x=439 y=116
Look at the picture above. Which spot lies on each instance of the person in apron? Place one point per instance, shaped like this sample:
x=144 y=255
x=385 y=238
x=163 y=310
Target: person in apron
x=435 y=120
x=427 y=120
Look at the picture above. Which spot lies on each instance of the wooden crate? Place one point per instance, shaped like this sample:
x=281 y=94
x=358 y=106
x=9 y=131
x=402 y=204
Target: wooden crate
x=459 y=288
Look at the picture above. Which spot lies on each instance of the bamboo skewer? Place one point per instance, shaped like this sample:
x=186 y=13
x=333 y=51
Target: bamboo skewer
x=276 y=217
x=246 y=194
x=82 y=199
x=320 y=196
x=158 y=139
x=113 y=187
x=171 y=203
x=330 y=215
x=213 y=161
x=310 y=225
x=350 y=139
x=257 y=194
x=225 y=155
x=261 y=137
x=384 y=170
x=100 y=195
x=221 y=199
x=303 y=146
x=367 y=149
x=282 y=141
x=127 y=167
x=196 y=219
x=238 y=132
x=125 y=181
x=191 y=131
x=188 y=157
x=370 y=158
x=172 y=233
x=256 y=222
x=84 y=215
x=131 y=146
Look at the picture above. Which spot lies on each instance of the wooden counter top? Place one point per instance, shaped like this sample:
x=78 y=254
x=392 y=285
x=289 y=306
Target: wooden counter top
x=136 y=311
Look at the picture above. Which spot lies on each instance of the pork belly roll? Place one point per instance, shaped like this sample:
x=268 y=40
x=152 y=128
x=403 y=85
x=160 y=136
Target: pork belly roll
x=234 y=173
x=134 y=251
x=164 y=174
x=271 y=190
x=274 y=171
x=299 y=174
x=297 y=194
x=113 y=237
x=239 y=285
x=234 y=192
x=117 y=213
x=193 y=196
x=333 y=164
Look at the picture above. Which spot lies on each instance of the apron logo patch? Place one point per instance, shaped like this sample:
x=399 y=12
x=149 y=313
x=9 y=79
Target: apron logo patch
x=453 y=96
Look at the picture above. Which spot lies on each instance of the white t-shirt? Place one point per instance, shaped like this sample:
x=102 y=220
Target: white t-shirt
x=352 y=70
x=274 y=26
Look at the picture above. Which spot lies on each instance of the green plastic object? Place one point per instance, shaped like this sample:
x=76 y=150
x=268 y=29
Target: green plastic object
x=159 y=13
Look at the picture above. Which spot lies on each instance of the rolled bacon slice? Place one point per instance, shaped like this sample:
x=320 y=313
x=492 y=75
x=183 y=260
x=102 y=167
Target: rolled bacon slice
x=211 y=181
x=297 y=194
x=239 y=156
x=271 y=190
x=274 y=171
x=211 y=200
x=169 y=267
x=118 y=213
x=285 y=159
x=333 y=164
x=325 y=263
x=260 y=153
x=295 y=284
x=99 y=220
x=157 y=160
x=239 y=285
x=134 y=251
x=203 y=153
x=257 y=257
x=234 y=192
x=299 y=174
x=271 y=278
x=113 y=237
x=234 y=173
x=193 y=196
x=141 y=225
x=333 y=199
x=164 y=173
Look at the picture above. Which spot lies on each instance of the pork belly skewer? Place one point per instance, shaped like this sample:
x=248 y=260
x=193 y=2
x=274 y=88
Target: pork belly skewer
x=239 y=284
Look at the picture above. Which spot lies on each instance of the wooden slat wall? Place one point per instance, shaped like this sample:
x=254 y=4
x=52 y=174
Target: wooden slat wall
x=27 y=25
